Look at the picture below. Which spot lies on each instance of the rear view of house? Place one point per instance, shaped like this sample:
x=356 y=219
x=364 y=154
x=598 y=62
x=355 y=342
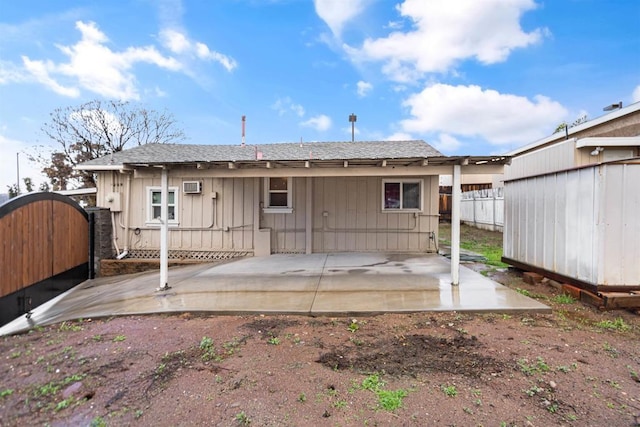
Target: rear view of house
x=226 y=201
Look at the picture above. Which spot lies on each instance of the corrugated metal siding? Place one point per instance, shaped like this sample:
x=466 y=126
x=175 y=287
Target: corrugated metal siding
x=620 y=237
x=555 y=157
x=581 y=223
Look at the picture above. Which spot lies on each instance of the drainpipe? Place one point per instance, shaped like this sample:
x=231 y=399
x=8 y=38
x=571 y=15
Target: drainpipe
x=127 y=214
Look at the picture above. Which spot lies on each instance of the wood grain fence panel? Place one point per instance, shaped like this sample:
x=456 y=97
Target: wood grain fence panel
x=41 y=235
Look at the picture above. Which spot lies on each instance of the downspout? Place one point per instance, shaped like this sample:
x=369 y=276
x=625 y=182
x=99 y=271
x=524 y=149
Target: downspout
x=127 y=214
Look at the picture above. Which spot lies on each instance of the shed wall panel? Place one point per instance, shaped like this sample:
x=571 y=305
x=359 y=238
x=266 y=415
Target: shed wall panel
x=581 y=223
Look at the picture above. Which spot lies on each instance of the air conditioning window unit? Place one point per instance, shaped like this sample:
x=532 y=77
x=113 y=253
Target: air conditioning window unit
x=191 y=187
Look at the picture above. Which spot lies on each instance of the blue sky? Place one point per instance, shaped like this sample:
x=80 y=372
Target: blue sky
x=467 y=76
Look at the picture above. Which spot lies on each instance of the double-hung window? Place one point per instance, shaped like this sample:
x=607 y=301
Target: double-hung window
x=154 y=205
x=401 y=195
x=278 y=195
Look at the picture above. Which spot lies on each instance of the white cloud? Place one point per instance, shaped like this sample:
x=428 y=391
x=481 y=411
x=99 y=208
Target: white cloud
x=285 y=105
x=446 y=143
x=471 y=111
x=399 y=136
x=39 y=70
x=8 y=173
x=364 y=88
x=95 y=67
x=179 y=44
x=336 y=13
x=445 y=32
x=636 y=94
x=320 y=122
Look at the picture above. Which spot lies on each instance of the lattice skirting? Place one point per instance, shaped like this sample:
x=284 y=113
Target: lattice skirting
x=178 y=254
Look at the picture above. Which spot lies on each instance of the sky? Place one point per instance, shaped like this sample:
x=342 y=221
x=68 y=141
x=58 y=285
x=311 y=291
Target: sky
x=469 y=77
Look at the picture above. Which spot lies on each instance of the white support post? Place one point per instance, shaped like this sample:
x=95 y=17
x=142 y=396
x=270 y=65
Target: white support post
x=164 y=230
x=309 y=217
x=456 y=194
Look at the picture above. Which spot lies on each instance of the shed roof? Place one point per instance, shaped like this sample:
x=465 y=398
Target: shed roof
x=559 y=136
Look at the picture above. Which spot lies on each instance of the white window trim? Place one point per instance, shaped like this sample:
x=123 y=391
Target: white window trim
x=401 y=181
x=155 y=222
x=278 y=209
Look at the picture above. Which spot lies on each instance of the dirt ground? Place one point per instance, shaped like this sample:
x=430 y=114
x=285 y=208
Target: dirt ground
x=576 y=366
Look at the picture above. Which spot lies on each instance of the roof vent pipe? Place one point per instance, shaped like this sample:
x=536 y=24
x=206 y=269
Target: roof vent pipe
x=244 y=119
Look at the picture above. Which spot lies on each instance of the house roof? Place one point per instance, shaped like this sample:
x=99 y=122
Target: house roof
x=151 y=154
x=303 y=159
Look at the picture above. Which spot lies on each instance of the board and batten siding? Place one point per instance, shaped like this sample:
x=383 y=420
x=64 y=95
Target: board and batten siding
x=581 y=223
x=348 y=216
x=223 y=223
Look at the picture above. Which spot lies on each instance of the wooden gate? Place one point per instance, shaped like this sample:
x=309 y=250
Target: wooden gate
x=44 y=250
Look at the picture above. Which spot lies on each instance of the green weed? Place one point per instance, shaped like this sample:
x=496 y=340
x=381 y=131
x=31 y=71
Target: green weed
x=564 y=299
x=208 y=350
x=63 y=404
x=6 y=392
x=540 y=366
x=70 y=326
x=274 y=341
x=449 y=390
x=119 y=338
x=340 y=404
x=390 y=400
x=611 y=350
x=617 y=325
x=243 y=419
x=98 y=422
x=353 y=326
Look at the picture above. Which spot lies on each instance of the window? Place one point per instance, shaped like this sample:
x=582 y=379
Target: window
x=277 y=195
x=402 y=195
x=154 y=205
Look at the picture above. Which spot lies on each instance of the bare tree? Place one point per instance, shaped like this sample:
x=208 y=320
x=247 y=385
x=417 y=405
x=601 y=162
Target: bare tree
x=96 y=129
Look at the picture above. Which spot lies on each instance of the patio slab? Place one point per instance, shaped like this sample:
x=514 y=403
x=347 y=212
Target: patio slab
x=316 y=284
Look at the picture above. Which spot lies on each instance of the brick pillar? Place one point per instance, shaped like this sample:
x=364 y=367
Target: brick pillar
x=102 y=243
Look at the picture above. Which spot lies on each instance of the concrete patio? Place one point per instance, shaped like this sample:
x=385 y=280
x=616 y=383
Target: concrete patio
x=316 y=284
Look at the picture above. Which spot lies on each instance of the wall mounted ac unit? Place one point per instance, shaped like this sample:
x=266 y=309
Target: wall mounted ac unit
x=191 y=187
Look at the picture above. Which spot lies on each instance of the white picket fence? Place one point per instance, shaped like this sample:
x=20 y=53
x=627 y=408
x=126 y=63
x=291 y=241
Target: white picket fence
x=483 y=208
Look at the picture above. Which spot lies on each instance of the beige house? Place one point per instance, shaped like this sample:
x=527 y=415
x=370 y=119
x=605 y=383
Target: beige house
x=225 y=201
x=572 y=202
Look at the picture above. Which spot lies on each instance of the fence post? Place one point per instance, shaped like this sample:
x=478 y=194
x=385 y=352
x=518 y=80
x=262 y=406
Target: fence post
x=92 y=245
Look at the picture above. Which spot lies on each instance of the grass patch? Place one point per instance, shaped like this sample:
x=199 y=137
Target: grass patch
x=564 y=299
x=613 y=325
x=485 y=242
x=389 y=400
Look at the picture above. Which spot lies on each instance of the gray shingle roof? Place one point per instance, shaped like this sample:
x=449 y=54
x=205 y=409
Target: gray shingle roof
x=190 y=153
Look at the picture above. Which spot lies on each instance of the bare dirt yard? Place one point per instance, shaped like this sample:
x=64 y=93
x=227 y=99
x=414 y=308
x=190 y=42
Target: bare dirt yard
x=577 y=366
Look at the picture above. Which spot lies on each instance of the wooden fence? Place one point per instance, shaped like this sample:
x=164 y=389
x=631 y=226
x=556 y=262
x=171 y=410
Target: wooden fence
x=44 y=250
